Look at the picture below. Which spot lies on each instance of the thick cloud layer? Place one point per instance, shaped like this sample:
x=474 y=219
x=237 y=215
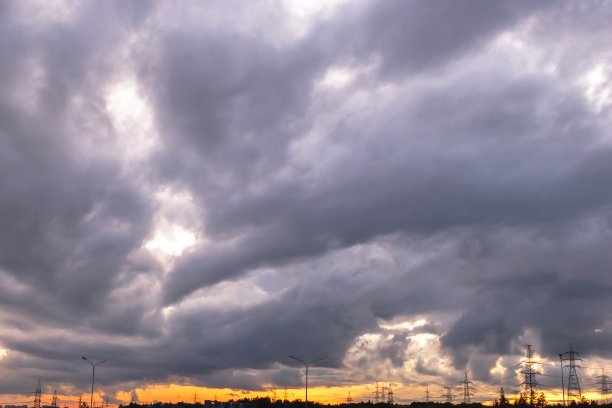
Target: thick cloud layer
x=194 y=191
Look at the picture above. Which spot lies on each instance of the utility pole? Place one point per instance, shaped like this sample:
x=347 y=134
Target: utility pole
x=467 y=390
x=573 y=385
x=529 y=372
x=605 y=388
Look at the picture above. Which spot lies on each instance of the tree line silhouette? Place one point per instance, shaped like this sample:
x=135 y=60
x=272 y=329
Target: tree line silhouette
x=264 y=402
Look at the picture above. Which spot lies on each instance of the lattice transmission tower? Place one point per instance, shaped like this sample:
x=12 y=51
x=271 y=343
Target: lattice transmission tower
x=530 y=383
x=349 y=400
x=37 y=396
x=467 y=390
x=376 y=394
x=390 y=399
x=448 y=395
x=54 y=400
x=573 y=384
x=605 y=387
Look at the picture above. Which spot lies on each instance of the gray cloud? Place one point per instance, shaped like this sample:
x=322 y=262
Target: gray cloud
x=462 y=170
x=413 y=36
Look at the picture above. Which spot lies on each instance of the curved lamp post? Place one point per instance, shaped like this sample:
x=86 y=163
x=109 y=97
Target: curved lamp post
x=93 y=376
x=307 y=364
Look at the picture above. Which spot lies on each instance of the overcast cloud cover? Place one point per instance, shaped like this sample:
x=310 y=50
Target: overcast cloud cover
x=194 y=190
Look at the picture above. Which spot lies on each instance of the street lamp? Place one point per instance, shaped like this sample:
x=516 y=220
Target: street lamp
x=93 y=376
x=307 y=364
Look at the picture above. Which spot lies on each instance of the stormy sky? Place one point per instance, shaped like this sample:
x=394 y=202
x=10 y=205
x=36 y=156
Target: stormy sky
x=194 y=190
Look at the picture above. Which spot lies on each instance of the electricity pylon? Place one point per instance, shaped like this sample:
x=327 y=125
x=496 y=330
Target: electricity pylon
x=467 y=390
x=390 y=399
x=605 y=386
x=376 y=394
x=573 y=385
x=54 y=400
x=530 y=383
x=448 y=396
x=37 y=396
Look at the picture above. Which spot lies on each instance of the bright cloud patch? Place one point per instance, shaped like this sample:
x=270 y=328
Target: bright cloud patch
x=132 y=118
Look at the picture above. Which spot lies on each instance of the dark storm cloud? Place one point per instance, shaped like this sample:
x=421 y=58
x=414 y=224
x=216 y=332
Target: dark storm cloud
x=487 y=191
x=545 y=290
x=290 y=220
x=494 y=173
x=67 y=224
x=490 y=170
x=70 y=218
x=416 y=35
